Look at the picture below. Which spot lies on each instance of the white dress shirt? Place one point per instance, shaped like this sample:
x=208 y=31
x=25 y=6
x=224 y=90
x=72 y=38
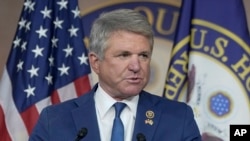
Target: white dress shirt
x=106 y=112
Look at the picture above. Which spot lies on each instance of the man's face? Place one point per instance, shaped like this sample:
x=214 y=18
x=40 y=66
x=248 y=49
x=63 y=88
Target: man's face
x=124 y=70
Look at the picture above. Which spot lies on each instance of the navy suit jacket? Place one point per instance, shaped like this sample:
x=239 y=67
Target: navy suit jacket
x=171 y=120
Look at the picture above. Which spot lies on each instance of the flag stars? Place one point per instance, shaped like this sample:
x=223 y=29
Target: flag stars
x=33 y=71
x=23 y=46
x=27 y=26
x=63 y=70
x=21 y=23
x=83 y=59
x=31 y=6
x=62 y=4
x=43 y=50
x=28 y=5
x=54 y=41
x=20 y=66
x=73 y=31
x=51 y=61
x=76 y=12
x=16 y=42
x=49 y=79
x=30 y=91
x=68 y=51
x=58 y=23
x=38 y=51
x=46 y=12
x=42 y=32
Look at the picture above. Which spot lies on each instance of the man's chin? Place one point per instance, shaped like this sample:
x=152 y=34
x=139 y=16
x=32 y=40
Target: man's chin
x=132 y=92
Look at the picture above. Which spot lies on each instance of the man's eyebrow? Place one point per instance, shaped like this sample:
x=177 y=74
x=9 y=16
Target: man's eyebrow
x=124 y=51
x=146 y=52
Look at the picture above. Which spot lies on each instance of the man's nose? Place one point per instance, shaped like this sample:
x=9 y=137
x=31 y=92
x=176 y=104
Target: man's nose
x=134 y=64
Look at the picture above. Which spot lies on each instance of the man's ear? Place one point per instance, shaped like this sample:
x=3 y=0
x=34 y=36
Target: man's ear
x=94 y=62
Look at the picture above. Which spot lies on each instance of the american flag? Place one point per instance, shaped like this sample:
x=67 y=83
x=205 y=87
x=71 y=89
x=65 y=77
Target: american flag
x=47 y=64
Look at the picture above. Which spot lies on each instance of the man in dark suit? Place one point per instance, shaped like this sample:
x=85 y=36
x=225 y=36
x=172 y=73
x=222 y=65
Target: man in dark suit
x=121 y=45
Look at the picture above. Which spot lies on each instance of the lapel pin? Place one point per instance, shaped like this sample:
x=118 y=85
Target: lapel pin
x=150 y=115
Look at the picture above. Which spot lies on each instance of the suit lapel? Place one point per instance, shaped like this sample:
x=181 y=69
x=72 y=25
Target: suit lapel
x=84 y=116
x=146 y=122
x=147 y=117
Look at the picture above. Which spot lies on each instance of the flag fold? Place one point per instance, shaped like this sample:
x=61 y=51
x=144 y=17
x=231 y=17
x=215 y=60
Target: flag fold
x=210 y=65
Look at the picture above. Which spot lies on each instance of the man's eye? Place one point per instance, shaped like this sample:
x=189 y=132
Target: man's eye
x=144 y=55
x=124 y=55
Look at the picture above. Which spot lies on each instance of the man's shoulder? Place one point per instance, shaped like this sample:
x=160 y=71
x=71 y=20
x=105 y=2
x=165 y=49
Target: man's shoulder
x=69 y=104
x=163 y=102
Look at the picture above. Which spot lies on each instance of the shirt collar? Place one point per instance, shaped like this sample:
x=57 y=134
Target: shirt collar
x=104 y=102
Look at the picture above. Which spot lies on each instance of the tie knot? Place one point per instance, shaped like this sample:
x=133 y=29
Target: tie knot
x=119 y=106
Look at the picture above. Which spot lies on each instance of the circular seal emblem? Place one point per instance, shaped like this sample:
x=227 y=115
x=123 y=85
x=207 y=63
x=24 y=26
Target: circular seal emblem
x=150 y=114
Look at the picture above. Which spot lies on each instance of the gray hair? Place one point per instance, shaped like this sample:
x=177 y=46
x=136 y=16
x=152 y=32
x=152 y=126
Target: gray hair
x=117 y=20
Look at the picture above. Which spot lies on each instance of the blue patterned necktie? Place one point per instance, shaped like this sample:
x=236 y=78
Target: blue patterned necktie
x=118 y=129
